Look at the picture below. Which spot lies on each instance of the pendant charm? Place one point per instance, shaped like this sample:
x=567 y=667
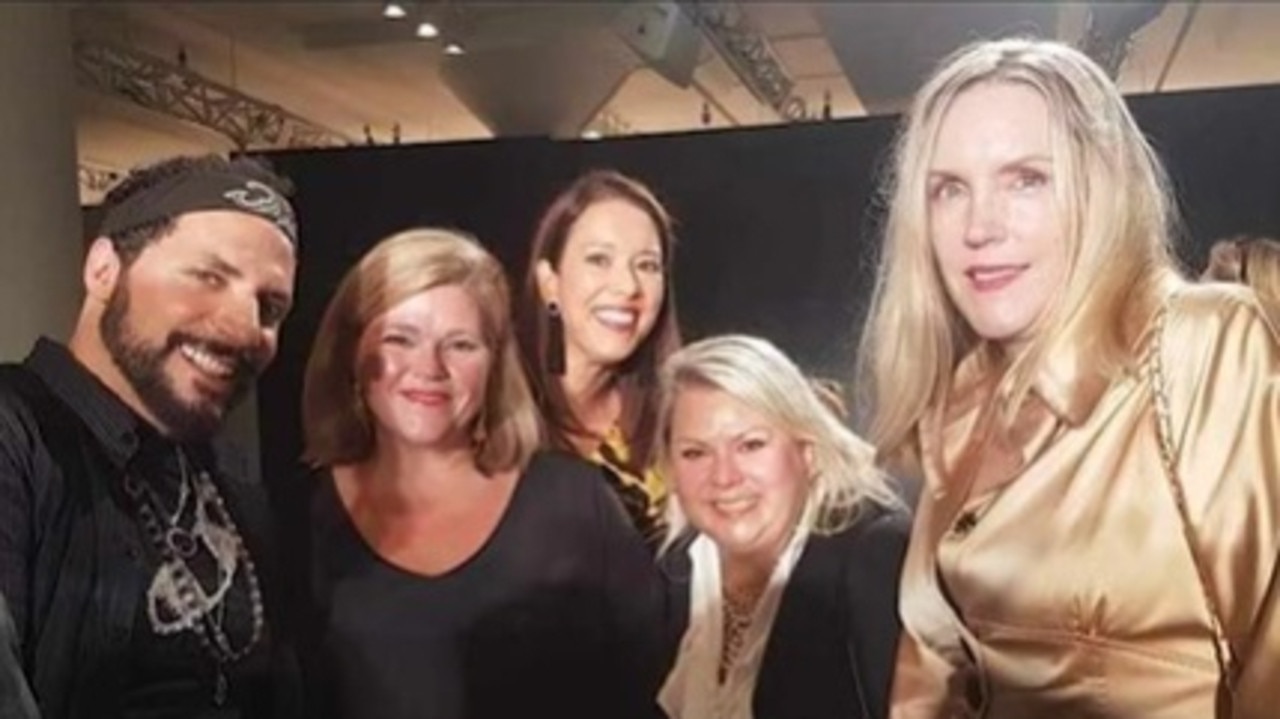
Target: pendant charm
x=181 y=542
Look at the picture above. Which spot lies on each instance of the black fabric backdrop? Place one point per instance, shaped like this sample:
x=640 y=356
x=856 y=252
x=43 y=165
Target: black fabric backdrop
x=777 y=226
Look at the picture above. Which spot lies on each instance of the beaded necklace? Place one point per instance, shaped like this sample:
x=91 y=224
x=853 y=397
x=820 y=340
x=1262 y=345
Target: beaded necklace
x=176 y=600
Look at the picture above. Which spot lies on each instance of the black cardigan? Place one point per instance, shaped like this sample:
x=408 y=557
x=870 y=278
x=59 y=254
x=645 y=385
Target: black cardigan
x=830 y=654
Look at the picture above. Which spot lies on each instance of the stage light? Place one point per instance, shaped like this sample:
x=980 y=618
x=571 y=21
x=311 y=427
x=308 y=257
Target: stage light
x=394 y=11
x=427 y=30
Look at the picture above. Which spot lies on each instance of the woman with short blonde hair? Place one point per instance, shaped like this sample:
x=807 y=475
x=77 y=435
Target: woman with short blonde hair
x=845 y=477
x=785 y=542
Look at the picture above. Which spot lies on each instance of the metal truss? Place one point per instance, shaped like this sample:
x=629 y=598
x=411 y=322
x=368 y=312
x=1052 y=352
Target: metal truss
x=158 y=85
x=749 y=54
x=96 y=180
x=608 y=123
x=1109 y=35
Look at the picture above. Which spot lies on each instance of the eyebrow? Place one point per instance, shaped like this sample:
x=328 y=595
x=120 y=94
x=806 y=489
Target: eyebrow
x=413 y=329
x=222 y=265
x=1020 y=161
x=1031 y=159
x=400 y=326
x=734 y=437
x=219 y=264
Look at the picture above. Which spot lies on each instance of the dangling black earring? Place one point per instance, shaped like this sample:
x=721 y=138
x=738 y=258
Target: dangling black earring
x=554 y=349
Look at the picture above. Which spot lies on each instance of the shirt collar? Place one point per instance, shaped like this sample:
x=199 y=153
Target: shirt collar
x=1068 y=384
x=108 y=418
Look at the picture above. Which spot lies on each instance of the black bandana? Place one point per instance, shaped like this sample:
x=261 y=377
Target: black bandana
x=206 y=190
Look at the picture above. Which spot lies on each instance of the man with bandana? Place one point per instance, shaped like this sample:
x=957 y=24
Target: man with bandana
x=134 y=552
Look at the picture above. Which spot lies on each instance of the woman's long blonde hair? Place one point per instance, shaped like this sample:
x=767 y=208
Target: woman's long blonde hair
x=1117 y=223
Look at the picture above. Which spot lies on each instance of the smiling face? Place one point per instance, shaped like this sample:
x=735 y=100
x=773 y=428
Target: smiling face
x=740 y=479
x=609 y=283
x=193 y=320
x=425 y=368
x=994 y=222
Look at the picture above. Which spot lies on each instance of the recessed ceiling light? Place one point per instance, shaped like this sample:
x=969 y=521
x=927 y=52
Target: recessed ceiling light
x=394 y=11
x=427 y=30
x=591 y=135
x=454 y=48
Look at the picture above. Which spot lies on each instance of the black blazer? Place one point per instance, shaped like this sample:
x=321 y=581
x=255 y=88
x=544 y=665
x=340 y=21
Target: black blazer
x=831 y=652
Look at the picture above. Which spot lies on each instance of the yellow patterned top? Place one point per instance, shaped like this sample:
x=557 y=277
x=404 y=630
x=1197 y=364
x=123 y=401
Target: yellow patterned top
x=643 y=496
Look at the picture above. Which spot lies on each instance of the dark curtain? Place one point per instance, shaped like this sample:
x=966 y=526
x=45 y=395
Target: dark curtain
x=778 y=226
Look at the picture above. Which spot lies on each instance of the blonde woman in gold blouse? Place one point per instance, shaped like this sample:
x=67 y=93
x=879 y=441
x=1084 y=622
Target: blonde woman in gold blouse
x=1100 y=522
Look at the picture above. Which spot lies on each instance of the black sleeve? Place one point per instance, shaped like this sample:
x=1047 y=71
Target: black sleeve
x=676 y=571
x=634 y=600
x=871 y=576
x=16 y=508
x=16 y=701
x=305 y=520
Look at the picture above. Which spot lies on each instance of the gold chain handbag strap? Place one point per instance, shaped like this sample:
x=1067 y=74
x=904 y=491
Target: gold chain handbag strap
x=1223 y=651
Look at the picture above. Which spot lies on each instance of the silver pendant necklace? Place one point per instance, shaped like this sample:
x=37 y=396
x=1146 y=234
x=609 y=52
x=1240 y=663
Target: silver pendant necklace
x=176 y=600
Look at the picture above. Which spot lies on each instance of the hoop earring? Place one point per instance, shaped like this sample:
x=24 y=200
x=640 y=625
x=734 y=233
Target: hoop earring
x=554 y=348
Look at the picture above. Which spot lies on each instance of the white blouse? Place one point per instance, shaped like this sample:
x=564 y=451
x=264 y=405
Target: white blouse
x=692 y=689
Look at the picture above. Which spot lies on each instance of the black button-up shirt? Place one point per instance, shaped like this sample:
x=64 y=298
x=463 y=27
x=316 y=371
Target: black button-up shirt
x=75 y=566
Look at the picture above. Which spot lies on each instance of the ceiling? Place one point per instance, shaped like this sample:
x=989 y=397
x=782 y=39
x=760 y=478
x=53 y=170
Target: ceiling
x=156 y=79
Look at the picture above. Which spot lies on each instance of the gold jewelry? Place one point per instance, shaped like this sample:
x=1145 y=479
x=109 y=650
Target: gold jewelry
x=1224 y=653
x=739 y=611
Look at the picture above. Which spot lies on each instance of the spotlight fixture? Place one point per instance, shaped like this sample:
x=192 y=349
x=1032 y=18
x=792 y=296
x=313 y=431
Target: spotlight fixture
x=394 y=11
x=427 y=30
x=455 y=49
x=591 y=134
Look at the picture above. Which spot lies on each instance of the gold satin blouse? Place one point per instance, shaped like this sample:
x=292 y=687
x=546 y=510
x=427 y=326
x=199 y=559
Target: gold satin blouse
x=1068 y=589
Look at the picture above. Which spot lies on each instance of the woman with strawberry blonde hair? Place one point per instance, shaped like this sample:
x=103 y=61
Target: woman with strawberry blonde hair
x=454 y=569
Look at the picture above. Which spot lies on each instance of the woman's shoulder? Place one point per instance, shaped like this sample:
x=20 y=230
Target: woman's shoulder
x=562 y=466
x=875 y=541
x=673 y=558
x=1217 y=331
x=877 y=523
x=313 y=490
x=572 y=479
x=1205 y=309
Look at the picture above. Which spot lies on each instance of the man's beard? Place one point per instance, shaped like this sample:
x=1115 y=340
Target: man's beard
x=143 y=367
